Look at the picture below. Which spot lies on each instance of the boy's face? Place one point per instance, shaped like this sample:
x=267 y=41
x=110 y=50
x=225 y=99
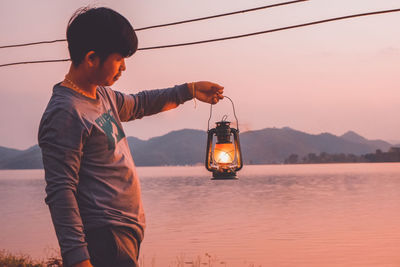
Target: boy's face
x=111 y=69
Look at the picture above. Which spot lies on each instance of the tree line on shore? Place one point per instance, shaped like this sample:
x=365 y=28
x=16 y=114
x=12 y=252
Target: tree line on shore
x=393 y=155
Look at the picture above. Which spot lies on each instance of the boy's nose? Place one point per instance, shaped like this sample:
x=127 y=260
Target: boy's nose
x=123 y=67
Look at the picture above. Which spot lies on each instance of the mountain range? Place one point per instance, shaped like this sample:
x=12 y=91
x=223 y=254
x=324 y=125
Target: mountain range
x=187 y=147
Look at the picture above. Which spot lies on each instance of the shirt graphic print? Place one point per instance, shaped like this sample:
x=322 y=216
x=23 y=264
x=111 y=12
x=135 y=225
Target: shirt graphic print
x=114 y=133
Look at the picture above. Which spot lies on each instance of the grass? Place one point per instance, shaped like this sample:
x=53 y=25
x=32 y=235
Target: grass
x=8 y=259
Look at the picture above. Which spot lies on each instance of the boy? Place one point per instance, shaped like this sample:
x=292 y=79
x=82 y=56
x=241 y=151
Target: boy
x=93 y=191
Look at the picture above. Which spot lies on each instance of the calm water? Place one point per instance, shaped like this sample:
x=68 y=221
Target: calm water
x=284 y=215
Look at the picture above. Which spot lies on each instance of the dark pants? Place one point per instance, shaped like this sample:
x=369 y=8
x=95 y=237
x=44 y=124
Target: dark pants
x=113 y=246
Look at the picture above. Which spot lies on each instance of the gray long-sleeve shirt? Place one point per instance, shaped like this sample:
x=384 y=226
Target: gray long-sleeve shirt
x=89 y=171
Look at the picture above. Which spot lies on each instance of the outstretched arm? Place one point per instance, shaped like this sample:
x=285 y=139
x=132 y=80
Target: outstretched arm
x=146 y=103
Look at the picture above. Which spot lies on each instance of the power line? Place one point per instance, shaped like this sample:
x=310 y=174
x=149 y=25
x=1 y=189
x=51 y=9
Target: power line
x=273 y=30
x=171 y=23
x=33 y=43
x=236 y=36
x=222 y=15
x=35 y=61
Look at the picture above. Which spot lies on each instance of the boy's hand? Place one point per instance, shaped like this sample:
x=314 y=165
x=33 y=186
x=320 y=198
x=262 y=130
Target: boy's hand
x=85 y=263
x=207 y=91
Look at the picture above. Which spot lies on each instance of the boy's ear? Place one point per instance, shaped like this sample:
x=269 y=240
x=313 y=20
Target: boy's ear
x=91 y=59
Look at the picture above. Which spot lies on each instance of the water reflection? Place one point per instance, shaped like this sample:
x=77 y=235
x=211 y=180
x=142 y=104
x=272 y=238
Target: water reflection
x=298 y=215
x=320 y=216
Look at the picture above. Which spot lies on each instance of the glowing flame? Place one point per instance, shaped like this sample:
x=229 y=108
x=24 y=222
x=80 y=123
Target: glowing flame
x=224 y=153
x=224 y=158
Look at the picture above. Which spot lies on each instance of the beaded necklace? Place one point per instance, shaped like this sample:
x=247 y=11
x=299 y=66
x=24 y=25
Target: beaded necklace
x=77 y=88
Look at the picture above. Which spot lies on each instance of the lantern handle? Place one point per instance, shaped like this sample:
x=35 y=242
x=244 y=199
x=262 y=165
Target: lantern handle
x=225 y=116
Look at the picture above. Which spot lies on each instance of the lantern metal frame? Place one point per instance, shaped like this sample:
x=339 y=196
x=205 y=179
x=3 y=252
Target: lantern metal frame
x=224 y=134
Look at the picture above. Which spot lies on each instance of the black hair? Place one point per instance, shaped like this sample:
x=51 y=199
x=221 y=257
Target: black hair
x=101 y=30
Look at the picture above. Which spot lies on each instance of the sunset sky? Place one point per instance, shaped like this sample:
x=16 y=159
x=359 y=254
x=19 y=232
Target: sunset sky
x=333 y=77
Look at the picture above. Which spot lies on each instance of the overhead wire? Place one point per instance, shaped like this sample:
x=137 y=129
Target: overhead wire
x=33 y=43
x=171 y=23
x=35 y=61
x=273 y=30
x=223 y=15
x=238 y=36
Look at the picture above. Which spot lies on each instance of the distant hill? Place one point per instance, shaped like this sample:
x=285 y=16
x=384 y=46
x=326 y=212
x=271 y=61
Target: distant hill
x=8 y=152
x=273 y=145
x=183 y=147
x=22 y=159
x=374 y=144
x=187 y=147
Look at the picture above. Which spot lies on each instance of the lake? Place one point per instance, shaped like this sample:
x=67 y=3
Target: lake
x=274 y=215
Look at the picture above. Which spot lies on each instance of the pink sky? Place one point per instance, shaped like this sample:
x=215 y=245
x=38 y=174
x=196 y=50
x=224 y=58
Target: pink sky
x=326 y=78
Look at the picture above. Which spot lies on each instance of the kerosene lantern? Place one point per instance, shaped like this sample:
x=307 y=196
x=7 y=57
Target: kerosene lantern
x=223 y=155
